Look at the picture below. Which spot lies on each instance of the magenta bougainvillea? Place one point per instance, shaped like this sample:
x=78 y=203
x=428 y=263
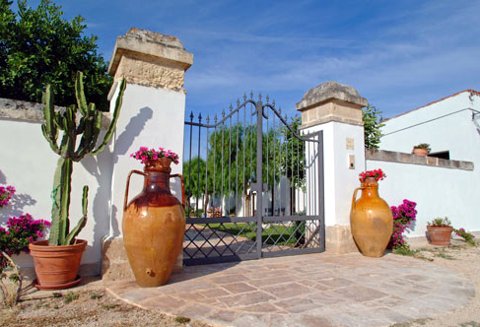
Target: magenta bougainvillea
x=18 y=232
x=378 y=174
x=6 y=193
x=145 y=154
x=404 y=216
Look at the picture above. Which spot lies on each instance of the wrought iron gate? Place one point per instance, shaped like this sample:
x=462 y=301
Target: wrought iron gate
x=254 y=185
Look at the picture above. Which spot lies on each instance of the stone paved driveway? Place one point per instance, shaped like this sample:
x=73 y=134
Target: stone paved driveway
x=318 y=290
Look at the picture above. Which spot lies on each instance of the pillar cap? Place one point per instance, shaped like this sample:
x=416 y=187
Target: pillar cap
x=151 y=46
x=329 y=91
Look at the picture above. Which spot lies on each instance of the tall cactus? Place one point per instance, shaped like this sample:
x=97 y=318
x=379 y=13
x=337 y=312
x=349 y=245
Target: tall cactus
x=88 y=127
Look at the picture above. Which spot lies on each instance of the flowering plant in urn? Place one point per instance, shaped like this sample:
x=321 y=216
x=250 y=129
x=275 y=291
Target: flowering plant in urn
x=154 y=220
x=371 y=220
x=378 y=174
x=145 y=155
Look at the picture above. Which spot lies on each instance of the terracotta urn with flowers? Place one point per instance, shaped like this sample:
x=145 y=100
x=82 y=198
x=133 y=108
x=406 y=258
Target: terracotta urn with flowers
x=370 y=217
x=154 y=220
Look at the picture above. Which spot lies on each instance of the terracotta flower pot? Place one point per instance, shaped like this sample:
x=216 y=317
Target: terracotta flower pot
x=439 y=235
x=153 y=226
x=57 y=267
x=420 y=152
x=371 y=220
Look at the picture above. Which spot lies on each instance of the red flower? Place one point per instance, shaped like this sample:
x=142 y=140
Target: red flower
x=378 y=174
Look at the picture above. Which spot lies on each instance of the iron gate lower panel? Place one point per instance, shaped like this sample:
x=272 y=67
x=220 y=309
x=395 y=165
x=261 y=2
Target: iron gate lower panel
x=229 y=239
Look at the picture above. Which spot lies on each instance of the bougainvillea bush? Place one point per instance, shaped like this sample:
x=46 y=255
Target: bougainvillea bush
x=18 y=232
x=404 y=216
x=6 y=193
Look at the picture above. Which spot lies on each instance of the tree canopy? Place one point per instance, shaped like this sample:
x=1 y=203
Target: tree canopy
x=39 y=47
x=372 y=126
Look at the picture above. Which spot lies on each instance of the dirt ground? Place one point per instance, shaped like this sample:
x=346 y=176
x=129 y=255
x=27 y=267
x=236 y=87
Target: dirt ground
x=464 y=260
x=90 y=305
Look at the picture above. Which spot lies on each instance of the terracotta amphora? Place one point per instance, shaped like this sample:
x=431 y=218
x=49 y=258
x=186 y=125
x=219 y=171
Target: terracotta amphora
x=371 y=220
x=153 y=225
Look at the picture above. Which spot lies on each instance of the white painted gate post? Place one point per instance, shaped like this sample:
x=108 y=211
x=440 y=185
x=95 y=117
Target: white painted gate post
x=335 y=109
x=152 y=115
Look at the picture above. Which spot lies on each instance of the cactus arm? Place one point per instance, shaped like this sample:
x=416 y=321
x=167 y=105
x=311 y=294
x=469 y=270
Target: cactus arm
x=56 y=203
x=90 y=134
x=82 y=222
x=53 y=144
x=59 y=228
x=113 y=123
x=49 y=128
x=80 y=94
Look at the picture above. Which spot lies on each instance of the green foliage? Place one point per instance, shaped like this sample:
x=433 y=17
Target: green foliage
x=70 y=297
x=87 y=127
x=468 y=237
x=372 y=124
x=38 y=47
x=277 y=234
x=440 y=222
x=232 y=159
x=404 y=249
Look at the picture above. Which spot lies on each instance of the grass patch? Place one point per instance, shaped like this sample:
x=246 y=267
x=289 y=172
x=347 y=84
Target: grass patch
x=182 y=320
x=110 y=306
x=278 y=234
x=95 y=296
x=70 y=297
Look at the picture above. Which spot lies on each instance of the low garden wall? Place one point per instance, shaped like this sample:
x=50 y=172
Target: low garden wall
x=28 y=163
x=440 y=187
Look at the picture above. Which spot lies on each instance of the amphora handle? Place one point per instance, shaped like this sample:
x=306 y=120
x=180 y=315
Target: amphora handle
x=128 y=185
x=354 y=197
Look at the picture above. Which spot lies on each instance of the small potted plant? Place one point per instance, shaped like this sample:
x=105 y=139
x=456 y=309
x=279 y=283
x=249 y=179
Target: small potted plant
x=439 y=231
x=422 y=149
x=57 y=260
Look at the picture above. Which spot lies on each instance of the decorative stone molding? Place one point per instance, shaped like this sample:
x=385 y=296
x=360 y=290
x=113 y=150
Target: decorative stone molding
x=407 y=158
x=331 y=101
x=150 y=59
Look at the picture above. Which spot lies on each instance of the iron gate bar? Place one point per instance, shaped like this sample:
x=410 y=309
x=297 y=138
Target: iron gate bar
x=299 y=225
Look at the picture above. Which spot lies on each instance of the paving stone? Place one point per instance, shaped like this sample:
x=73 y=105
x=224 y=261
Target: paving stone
x=287 y=290
x=236 y=288
x=309 y=290
x=247 y=298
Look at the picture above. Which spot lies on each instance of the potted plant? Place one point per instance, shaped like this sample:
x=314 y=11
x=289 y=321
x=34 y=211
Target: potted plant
x=439 y=231
x=422 y=149
x=57 y=260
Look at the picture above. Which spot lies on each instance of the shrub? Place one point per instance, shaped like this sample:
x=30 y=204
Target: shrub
x=404 y=216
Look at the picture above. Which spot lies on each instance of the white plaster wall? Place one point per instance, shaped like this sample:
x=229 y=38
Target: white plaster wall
x=150 y=117
x=28 y=163
x=438 y=192
x=447 y=126
x=340 y=180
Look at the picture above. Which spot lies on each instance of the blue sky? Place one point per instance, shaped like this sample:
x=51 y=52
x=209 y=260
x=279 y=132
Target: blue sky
x=398 y=54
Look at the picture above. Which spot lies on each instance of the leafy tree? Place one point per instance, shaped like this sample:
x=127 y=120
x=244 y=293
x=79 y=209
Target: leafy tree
x=230 y=167
x=38 y=47
x=372 y=118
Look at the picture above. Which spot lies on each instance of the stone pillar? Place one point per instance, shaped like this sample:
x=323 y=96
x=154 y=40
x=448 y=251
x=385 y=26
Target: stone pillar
x=152 y=115
x=335 y=109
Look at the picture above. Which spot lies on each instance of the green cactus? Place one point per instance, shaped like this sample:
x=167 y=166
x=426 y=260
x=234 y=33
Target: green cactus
x=87 y=128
